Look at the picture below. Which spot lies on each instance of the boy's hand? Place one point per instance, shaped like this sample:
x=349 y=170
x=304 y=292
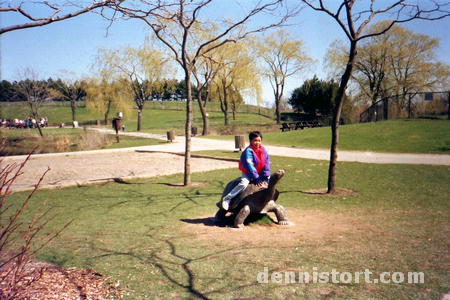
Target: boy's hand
x=263 y=184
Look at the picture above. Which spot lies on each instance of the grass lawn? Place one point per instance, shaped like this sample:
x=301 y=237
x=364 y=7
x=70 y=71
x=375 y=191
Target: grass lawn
x=23 y=141
x=153 y=120
x=58 y=113
x=132 y=141
x=158 y=242
x=397 y=136
x=160 y=121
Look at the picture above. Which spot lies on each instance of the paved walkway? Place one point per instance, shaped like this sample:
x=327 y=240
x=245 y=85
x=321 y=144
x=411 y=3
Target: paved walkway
x=87 y=167
x=201 y=144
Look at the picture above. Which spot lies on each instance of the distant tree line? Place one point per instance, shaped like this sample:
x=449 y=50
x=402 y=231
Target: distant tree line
x=170 y=90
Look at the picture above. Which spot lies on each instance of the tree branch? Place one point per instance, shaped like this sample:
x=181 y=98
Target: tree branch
x=37 y=22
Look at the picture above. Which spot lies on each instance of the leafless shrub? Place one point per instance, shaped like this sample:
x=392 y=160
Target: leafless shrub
x=62 y=144
x=20 y=239
x=83 y=140
x=92 y=140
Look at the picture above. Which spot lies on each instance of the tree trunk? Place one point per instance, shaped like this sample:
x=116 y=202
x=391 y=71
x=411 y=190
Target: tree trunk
x=224 y=107
x=205 y=125
x=277 y=105
x=73 y=106
x=108 y=109
x=139 y=118
x=336 y=116
x=39 y=128
x=277 y=110
x=35 y=114
x=187 y=132
x=203 y=112
x=225 y=113
x=278 y=91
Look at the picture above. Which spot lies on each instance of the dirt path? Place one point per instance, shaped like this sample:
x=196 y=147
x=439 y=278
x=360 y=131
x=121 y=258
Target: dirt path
x=199 y=144
x=88 y=167
x=94 y=167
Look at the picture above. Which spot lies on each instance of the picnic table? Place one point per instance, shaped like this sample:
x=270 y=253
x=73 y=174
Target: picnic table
x=285 y=126
x=300 y=124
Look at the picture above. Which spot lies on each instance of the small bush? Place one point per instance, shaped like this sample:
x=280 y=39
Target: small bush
x=93 y=140
x=19 y=240
x=27 y=141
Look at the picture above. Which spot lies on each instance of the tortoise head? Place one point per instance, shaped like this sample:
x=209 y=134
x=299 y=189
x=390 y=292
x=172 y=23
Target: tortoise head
x=275 y=177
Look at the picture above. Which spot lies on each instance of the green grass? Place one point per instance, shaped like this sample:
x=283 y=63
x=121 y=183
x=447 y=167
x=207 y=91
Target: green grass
x=153 y=120
x=56 y=114
x=23 y=141
x=399 y=136
x=132 y=141
x=154 y=238
x=160 y=121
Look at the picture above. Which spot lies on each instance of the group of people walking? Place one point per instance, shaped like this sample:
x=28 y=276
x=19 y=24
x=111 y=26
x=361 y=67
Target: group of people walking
x=24 y=123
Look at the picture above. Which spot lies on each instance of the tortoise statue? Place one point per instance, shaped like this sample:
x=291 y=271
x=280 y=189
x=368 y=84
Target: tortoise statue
x=253 y=199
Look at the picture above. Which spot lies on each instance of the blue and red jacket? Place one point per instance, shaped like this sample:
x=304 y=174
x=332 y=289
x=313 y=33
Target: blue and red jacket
x=255 y=162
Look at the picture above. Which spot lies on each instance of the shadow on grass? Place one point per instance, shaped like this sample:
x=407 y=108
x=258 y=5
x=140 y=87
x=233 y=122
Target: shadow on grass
x=121 y=181
x=445 y=149
x=210 y=221
x=180 y=269
x=229 y=220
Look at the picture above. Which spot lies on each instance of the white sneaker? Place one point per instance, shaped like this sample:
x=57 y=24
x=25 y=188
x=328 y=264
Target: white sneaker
x=225 y=204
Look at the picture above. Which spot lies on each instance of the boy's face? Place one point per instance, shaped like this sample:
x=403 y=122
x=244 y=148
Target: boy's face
x=256 y=142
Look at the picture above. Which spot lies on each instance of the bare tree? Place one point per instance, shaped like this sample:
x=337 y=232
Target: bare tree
x=69 y=88
x=393 y=64
x=173 y=23
x=34 y=91
x=204 y=74
x=55 y=13
x=352 y=20
x=20 y=240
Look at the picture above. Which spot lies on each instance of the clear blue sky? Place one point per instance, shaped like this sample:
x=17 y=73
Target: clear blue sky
x=71 y=44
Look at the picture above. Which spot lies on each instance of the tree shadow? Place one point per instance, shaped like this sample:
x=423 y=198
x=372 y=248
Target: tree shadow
x=444 y=150
x=179 y=269
x=121 y=181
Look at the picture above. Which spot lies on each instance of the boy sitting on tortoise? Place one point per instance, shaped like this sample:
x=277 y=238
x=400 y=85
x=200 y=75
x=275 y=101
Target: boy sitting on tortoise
x=241 y=197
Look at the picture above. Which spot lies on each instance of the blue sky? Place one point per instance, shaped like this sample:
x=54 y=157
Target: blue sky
x=71 y=44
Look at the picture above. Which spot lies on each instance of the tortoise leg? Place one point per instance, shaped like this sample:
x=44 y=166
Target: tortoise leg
x=279 y=211
x=281 y=215
x=241 y=216
x=220 y=215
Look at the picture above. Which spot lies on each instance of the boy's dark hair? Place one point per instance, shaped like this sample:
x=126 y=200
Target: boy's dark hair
x=254 y=134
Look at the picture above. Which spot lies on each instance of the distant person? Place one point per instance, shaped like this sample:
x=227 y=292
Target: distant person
x=255 y=166
x=116 y=126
